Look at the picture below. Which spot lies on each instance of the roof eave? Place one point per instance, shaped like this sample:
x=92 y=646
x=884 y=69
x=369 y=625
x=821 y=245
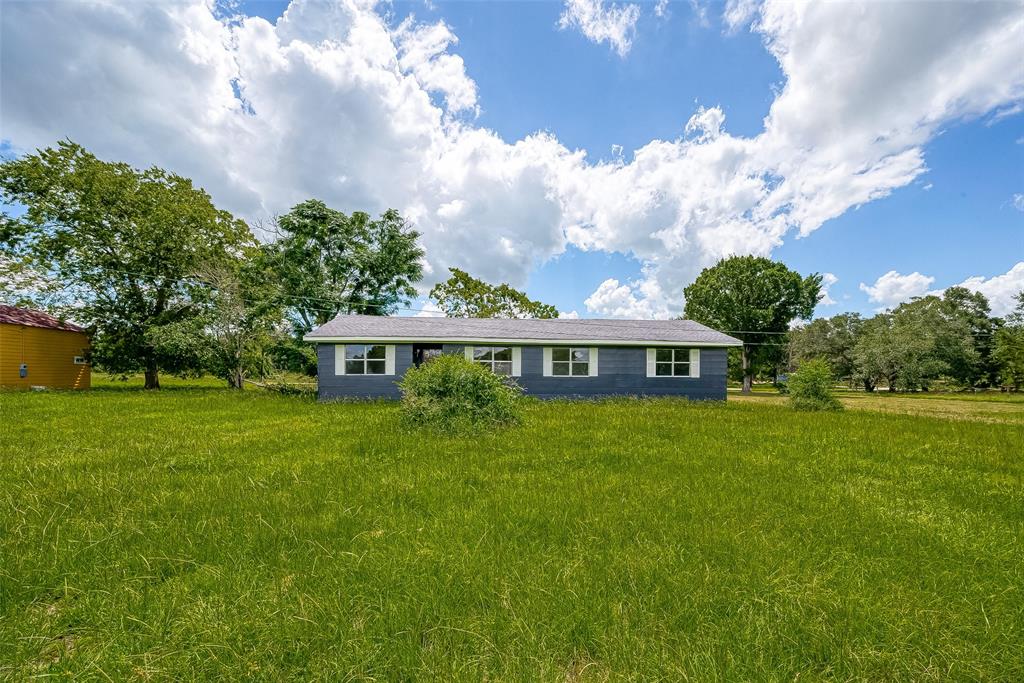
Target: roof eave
x=521 y=342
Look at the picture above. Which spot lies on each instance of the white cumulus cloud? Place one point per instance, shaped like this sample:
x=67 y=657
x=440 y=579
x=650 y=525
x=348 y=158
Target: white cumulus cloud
x=332 y=102
x=615 y=300
x=827 y=280
x=602 y=22
x=892 y=289
x=1000 y=290
x=429 y=310
x=423 y=52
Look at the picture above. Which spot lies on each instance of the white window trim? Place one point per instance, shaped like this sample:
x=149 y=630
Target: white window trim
x=517 y=357
x=80 y=360
x=694 y=364
x=389 y=361
x=592 y=368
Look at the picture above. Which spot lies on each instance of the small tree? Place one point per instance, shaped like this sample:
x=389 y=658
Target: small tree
x=464 y=296
x=452 y=394
x=232 y=336
x=810 y=387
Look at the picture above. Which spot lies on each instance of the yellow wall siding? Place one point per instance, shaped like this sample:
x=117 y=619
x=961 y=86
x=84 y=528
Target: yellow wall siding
x=50 y=355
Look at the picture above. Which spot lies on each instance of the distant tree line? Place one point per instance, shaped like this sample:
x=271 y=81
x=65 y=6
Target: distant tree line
x=166 y=282
x=950 y=341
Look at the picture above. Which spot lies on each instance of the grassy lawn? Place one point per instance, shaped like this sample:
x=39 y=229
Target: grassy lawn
x=197 y=533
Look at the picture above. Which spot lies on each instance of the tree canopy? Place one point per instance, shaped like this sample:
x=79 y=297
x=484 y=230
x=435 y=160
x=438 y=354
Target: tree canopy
x=238 y=324
x=1008 y=348
x=126 y=241
x=464 y=296
x=329 y=263
x=925 y=339
x=830 y=339
x=752 y=298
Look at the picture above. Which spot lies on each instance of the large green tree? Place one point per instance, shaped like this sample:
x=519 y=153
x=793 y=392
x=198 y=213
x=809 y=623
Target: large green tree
x=752 y=298
x=969 y=310
x=1008 y=351
x=952 y=323
x=916 y=344
x=464 y=296
x=896 y=350
x=832 y=339
x=329 y=263
x=125 y=241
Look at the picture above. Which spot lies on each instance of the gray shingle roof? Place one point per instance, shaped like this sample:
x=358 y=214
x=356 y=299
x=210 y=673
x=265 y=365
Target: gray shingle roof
x=611 y=332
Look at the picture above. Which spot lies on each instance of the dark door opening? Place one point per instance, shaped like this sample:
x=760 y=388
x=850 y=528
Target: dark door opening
x=421 y=353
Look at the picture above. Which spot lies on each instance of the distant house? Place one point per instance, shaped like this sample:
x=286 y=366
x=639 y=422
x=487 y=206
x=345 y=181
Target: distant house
x=363 y=356
x=37 y=349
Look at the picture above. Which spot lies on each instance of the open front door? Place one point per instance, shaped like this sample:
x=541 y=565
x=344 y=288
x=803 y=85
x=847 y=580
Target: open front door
x=421 y=353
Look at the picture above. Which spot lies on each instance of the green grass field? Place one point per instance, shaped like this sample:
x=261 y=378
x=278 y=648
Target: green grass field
x=199 y=534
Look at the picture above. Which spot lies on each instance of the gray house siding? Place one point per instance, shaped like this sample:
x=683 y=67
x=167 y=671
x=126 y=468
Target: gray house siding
x=621 y=371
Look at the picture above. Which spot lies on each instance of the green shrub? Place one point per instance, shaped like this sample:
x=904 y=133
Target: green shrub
x=450 y=394
x=810 y=387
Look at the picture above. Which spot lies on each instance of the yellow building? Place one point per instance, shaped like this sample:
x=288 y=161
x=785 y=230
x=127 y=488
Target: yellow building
x=37 y=350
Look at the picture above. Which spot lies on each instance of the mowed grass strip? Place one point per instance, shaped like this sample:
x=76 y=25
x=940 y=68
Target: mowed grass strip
x=205 y=534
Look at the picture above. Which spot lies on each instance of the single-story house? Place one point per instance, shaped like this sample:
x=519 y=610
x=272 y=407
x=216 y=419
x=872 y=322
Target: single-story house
x=38 y=350
x=364 y=355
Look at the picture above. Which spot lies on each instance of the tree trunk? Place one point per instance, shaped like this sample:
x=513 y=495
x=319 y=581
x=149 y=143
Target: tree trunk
x=869 y=385
x=748 y=376
x=152 y=375
x=236 y=379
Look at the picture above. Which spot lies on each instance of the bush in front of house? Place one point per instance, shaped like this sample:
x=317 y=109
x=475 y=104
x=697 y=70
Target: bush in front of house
x=450 y=394
x=810 y=387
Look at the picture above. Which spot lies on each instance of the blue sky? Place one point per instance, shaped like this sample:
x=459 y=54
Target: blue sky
x=954 y=213
x=965 y=224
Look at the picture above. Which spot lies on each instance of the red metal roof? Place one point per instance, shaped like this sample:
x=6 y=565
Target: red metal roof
x=12 y=315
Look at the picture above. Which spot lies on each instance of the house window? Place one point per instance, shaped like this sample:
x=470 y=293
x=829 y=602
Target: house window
x=570 y=362
x=80 y=360
x=673 y=362
x=497 y=358
x=365 y=359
